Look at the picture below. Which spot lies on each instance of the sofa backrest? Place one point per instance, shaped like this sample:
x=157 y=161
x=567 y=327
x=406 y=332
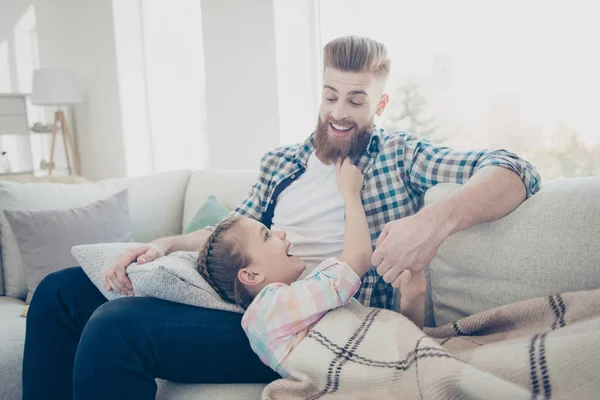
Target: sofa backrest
x=548 y=245
x=156 y=203
x=229 y=186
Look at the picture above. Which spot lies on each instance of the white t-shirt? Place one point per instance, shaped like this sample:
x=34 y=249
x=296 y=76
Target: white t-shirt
x=311 y=211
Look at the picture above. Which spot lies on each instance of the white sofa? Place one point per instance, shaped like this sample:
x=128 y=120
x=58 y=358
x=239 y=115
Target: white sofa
x=520 y=256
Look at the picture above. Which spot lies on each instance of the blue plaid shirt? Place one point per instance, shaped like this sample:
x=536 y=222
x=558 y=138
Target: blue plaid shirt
x=398 y=169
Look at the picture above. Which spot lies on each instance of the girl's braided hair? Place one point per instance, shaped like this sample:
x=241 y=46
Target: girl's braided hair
x=220 y=260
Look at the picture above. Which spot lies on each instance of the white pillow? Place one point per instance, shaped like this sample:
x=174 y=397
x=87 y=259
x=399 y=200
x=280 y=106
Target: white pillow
x=174 y=277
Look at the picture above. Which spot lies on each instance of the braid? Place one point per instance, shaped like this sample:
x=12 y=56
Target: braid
x=203 y=256
x=219 y=262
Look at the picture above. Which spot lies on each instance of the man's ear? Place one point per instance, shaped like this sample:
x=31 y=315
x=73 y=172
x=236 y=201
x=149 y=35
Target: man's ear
x=247 y=277
x=383 y=102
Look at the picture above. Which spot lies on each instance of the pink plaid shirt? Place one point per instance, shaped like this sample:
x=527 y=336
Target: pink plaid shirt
x=281 y=315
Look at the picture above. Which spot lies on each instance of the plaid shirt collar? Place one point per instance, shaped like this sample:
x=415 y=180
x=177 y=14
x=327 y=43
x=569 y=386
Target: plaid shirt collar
x=308 y=147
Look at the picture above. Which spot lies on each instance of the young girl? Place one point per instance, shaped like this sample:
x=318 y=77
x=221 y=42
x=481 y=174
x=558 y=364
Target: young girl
x=250 y=265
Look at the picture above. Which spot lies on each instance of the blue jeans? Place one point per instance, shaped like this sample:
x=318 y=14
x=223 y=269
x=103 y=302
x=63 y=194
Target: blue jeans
x=78 y=345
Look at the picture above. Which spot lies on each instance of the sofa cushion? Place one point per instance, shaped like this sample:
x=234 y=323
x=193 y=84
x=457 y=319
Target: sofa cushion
x=31 y=178
x=210 y=213
x=229 y=186
x=549 y=244
x=45 y=237
x=12 y=339
x=173 y=277
x=168 y=390
x=155 y=204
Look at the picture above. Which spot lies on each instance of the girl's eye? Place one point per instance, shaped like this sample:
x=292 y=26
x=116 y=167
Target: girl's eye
x=355 y=104
x=267 y=235
x=330 y=100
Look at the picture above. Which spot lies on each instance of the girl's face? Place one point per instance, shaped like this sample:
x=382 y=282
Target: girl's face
x=269 y=252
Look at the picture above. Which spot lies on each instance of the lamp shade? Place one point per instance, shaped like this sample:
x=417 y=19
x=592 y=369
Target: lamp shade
x=55 y=86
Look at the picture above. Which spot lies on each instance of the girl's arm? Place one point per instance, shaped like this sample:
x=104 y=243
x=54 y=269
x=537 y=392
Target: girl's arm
x=412 y=302
x=357 y=238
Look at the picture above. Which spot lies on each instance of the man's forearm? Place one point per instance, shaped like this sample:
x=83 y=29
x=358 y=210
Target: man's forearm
x=491 y=193
x=190 y=242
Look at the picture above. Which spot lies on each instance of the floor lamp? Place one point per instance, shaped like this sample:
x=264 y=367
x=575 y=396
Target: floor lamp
x=58 y=87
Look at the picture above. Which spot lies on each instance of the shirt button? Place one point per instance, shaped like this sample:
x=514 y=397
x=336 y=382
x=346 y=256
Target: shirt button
x=272 y=201
x=293 y=176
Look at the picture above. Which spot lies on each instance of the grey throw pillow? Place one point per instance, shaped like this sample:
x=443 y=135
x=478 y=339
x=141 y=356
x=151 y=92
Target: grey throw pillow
x=45 y=237
x=173 y=277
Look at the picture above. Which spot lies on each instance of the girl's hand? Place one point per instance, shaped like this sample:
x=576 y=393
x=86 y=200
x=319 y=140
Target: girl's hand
x=349 y=178
x=412 y=285
x=116 y=279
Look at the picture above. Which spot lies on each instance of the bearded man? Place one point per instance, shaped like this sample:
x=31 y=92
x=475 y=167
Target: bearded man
x=129 y=342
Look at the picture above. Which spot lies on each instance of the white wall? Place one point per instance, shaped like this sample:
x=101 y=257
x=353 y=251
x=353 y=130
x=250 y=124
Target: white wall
x=78 y=34
x=17 y=19
x=241 y=81
x=248 y=85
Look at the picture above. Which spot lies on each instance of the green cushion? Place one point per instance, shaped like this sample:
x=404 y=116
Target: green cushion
x=211 y=213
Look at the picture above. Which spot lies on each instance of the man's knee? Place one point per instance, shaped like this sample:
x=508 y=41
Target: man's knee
x=116 y=317
x=111 y=348
x=55 y=288
x=111 y=336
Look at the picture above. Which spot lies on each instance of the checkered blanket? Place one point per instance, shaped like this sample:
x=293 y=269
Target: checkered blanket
x=541 y=348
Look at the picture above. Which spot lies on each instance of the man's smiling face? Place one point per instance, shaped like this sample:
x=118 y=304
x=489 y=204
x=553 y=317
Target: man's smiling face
x=349 y=103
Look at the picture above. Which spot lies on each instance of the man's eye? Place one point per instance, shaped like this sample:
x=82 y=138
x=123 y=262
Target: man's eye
x=356 y=104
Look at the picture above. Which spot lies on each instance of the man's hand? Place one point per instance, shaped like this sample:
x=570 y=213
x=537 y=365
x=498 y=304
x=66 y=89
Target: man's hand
x=115 y=278
x=409 y=243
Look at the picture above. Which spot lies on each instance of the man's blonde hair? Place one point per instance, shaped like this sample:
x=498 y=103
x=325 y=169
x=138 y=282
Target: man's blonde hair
x=357 y=54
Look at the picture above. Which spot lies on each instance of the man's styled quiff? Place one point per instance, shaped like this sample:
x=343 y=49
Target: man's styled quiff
x=357 y=54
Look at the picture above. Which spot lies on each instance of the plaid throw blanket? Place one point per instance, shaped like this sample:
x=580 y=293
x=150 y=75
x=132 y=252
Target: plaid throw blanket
x=541 y=348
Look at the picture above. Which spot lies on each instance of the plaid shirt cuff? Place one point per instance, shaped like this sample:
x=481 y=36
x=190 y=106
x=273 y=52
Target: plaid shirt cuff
x=526 y=171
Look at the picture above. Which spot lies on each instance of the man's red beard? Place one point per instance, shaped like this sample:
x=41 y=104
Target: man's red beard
x=330 y=149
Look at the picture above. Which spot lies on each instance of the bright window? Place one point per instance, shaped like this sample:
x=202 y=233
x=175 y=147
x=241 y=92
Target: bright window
x=161 y=84
x=519 y=75
x=22 y=150
x=172 y=36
